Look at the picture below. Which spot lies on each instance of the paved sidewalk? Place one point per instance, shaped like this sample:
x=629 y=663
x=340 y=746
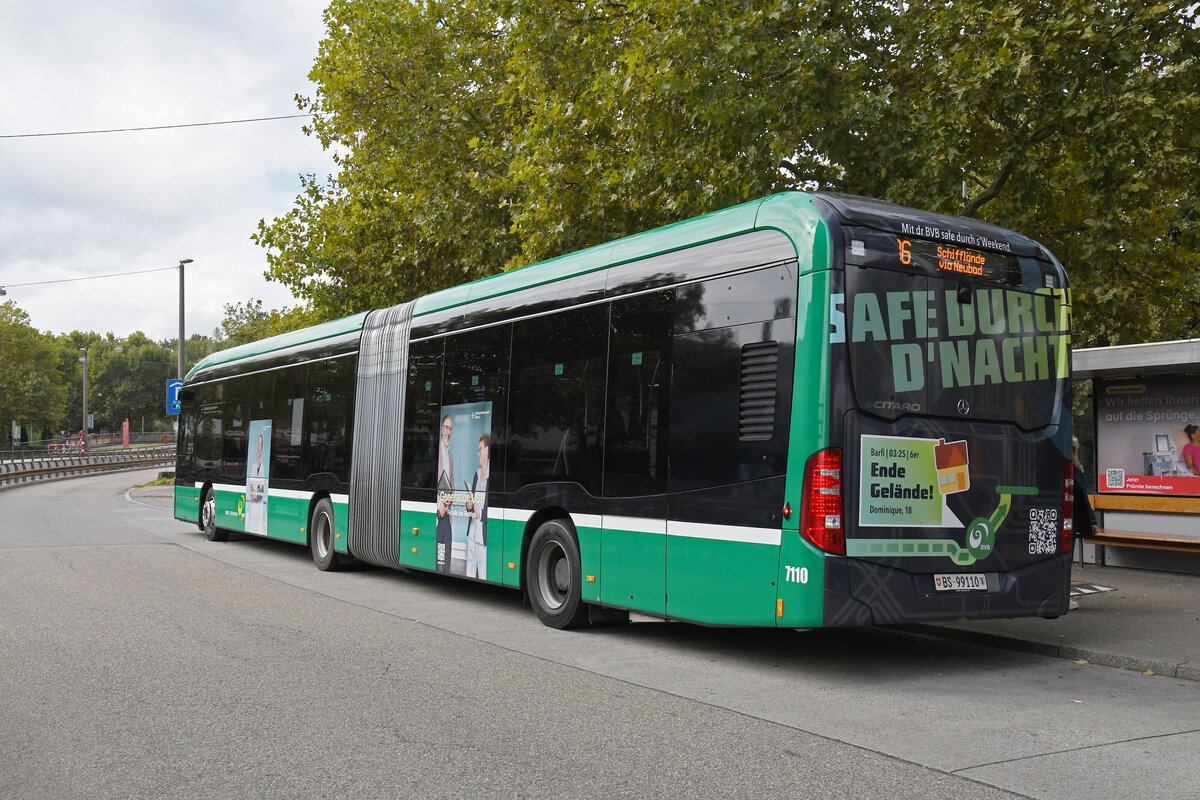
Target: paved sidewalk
x=162 y=496
x=1151 y=621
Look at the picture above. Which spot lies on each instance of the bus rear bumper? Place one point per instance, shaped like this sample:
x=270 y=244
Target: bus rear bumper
x=876 y=594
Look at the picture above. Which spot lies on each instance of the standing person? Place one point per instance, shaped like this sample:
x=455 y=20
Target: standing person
x=1191 y=450
x=477 y=503
x=1083 y=522
x=444 y=532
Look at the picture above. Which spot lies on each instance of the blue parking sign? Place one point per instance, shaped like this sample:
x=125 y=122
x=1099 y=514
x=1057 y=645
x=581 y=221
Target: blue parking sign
x=173 y=387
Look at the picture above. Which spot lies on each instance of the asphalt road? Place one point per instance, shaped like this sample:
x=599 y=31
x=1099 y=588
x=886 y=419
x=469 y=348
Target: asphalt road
x=139 y=660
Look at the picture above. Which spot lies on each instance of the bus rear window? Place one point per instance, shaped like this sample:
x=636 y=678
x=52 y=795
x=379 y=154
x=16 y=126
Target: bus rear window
x=936 y=345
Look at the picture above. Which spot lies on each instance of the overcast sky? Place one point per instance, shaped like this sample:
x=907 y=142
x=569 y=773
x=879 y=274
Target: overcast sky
x=77 y=206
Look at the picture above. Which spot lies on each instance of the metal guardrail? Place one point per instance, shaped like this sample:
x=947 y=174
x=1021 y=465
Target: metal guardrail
x=96 y=442
x=29 y=470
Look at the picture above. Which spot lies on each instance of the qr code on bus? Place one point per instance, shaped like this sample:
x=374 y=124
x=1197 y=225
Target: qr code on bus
x=1115 y=478
x=1043 y=531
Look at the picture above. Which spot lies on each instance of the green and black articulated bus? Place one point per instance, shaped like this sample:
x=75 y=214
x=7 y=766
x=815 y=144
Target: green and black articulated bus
x=807 y=410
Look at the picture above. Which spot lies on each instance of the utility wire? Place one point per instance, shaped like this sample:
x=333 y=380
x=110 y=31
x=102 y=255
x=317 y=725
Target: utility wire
x=150 y=127
x=88 y=277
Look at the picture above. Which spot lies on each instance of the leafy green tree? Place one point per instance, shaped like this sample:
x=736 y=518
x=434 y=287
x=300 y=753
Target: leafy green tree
x=32 y=391
x=486 y=134
x=130 y=384
x=198 y=346
x=249 y=322
x=41 y=375
x=413 y=89
x=70 y=347
x=1074 y=122
x=100 y=351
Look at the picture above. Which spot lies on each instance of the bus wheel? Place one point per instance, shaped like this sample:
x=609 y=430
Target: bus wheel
x=208 y=518
x=320 y=537
x=553 y=576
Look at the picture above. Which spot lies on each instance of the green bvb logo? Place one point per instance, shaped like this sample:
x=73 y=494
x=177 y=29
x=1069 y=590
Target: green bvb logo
x=981 y=533
x=981 y=537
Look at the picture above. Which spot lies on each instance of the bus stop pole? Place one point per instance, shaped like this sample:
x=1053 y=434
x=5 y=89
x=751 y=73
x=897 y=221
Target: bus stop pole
x=182 y=261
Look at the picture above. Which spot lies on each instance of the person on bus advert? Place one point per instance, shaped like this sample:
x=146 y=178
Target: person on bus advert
x=477 y=504
x=256 y=492
x=444 y=533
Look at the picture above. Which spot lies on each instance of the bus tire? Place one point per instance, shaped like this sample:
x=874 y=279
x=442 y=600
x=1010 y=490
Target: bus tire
x=554 y=577
x=321 y=537
x=208 y=518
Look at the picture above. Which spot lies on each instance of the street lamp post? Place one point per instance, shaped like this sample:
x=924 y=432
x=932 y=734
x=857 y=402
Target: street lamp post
x=182 y=261
x=83 y=430
x=117 y=350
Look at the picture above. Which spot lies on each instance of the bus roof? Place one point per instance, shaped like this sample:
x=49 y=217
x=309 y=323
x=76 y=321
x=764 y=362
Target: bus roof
x=284 y=341
x=786 y=212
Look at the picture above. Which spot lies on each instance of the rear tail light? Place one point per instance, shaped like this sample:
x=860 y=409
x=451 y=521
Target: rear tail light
x=1067 y=542
x=821 y=512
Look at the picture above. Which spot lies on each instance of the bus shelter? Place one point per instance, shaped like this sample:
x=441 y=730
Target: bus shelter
x=1143 y=462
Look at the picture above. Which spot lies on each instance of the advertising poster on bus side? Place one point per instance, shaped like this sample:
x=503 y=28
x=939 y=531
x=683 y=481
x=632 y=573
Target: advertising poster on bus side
x=464 y=467
x=258 y=467
x=1148 y=435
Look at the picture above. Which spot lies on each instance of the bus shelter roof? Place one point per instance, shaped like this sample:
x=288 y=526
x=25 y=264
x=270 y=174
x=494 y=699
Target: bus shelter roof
x=1151 y=358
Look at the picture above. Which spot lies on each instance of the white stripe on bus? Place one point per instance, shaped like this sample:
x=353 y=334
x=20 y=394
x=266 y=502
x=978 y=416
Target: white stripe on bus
x=660 y=527
x=287 y=494
x=636 y=524
x=725 y=533
x=690 y=530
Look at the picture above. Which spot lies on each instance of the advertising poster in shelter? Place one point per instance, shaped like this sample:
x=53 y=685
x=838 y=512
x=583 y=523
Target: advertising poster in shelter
x=464 y=467
x=1148 y=435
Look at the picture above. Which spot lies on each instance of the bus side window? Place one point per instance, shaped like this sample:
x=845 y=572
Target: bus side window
x=330 y=407
x=287 y=423
x=263 y=394
x=208 y=435
x=188 y=420
x=732 y=357
x=477 y=372
x=557 y=399
x=261 y=407
x=639 y=390
x=234 y=426
x=423 y=400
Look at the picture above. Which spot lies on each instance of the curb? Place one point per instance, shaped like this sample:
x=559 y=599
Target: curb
x=1185 y=670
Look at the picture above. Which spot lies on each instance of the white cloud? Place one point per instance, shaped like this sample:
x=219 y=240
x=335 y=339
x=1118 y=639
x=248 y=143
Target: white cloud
x=75 y=206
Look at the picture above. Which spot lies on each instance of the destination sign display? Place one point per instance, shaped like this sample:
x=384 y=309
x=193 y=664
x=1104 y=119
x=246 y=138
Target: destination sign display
x=872 y=248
